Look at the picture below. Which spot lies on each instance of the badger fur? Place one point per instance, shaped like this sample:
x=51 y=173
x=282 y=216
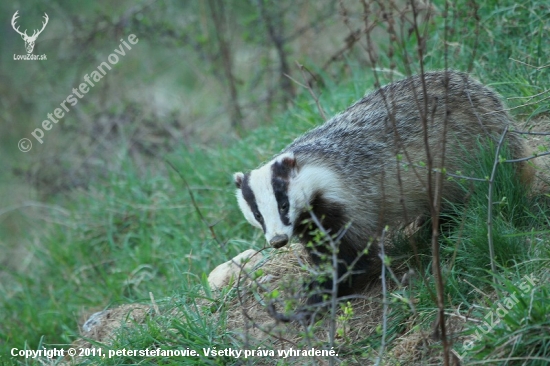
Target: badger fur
x=366 y=168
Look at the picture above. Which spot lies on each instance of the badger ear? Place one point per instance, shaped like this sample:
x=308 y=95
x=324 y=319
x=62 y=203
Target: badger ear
x=288 y=161
x=238 y=178
x=284 y=166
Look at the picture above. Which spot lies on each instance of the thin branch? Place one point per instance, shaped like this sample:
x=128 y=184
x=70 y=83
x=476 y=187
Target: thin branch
x=434 y=193
x=467 y=178
x=490 y=204
x=526 y=64
x=519 y=106
x=527 y=158
x=530 y=96
x=275 y=35
x=217 y=12
x=353 y=37
x=194 y=203
x=309 y=89
x=530 y=133
x=385 y=302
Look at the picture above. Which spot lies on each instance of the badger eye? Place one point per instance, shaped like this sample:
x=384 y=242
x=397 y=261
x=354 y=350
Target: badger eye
x=258 y=216
x=284 y=206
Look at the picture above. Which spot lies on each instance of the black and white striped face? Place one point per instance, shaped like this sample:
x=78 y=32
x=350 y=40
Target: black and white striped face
x=264 y=199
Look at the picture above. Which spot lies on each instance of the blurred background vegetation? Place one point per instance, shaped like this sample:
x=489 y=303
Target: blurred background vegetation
x=95 y=215
x=201 y=73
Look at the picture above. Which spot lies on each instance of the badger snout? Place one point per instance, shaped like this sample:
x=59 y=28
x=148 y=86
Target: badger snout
x=279 y=241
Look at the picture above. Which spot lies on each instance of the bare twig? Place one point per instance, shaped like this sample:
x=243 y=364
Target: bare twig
x=336 y=277
x=309 y=89
x=530 y=96
x=490 y=203
x=526 y=64
x=194 y=203
x=385 y=302
x=537 y=155
x=217 y=12
x=530 y=133
x=434 y=193
x=475 y=7
x=522 y=105
x=274 y=26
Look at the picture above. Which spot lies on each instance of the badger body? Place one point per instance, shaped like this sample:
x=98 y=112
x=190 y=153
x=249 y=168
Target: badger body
x=367 y=167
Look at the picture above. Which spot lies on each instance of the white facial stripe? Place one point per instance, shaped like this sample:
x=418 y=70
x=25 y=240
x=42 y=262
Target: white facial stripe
x=247 y=212
x=260 y=182
x=309 y=181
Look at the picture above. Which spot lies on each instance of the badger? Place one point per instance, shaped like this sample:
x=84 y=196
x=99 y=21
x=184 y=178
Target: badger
x=368 y=167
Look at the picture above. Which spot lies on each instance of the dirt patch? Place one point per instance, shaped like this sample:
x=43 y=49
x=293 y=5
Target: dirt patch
x=103 y=326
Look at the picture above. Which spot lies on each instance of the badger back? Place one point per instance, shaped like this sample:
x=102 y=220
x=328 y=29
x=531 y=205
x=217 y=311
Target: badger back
x=380 y=146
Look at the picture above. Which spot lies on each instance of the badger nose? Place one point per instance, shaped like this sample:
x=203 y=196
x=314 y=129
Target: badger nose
x=279 y=241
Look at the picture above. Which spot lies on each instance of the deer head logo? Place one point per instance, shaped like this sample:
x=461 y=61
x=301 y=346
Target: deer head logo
x=29 y=41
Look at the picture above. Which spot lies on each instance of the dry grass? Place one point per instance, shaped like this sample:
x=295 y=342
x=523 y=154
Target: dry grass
x=249 y=320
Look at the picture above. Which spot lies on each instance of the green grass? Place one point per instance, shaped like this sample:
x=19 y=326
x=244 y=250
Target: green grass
x=133 y=233
x=519 y=221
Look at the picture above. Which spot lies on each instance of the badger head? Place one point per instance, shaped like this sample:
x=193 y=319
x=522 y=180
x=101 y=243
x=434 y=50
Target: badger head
x=278 y=196
x=263 y=196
